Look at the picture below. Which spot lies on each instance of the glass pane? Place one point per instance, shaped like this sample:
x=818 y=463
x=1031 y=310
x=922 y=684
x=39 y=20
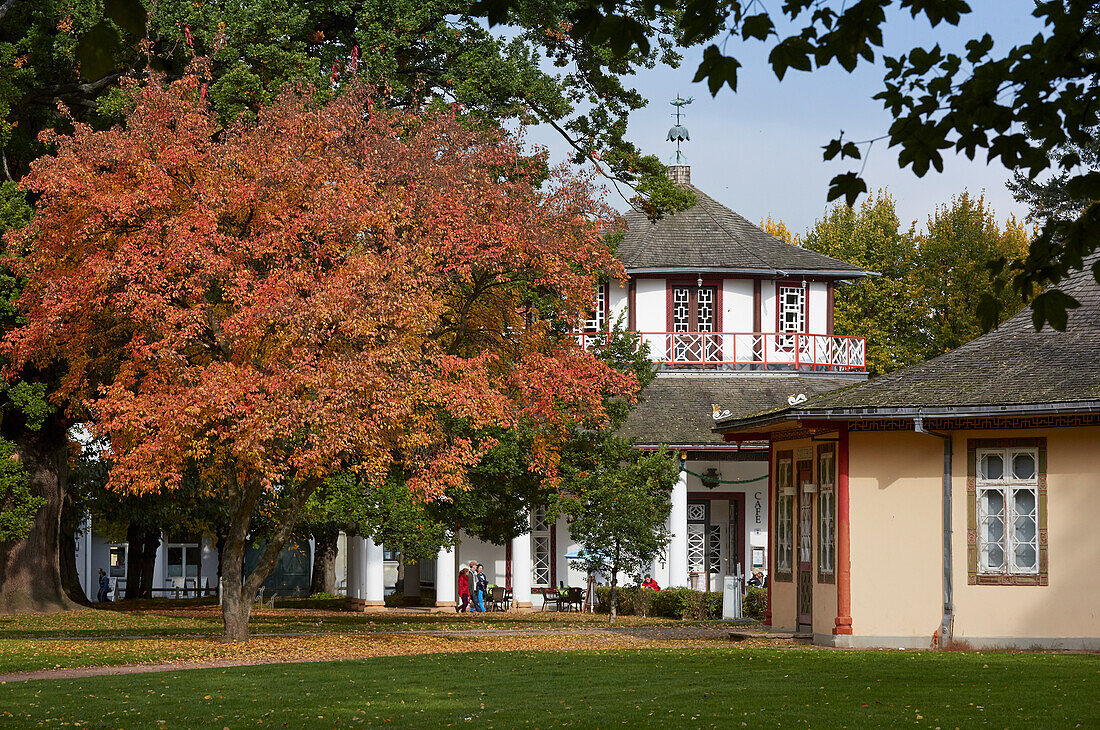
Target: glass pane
x=1023 y=466
x=193 y=555
x=994 y=529
x=175 y=556
x=1024 y=528
x=994 y=557
x=1023 y=502
x=992 y=466
x=994 y=502
x=1026 y=557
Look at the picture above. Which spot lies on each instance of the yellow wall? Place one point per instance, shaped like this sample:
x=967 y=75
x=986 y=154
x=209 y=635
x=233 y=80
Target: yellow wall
x=895 y=487
x=894 y=483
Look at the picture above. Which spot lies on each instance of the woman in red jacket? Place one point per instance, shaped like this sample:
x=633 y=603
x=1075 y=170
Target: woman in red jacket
x=464 y=589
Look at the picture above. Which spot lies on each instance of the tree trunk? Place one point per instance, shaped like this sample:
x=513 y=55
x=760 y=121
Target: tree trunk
x=236 y=606
x=323 y=579
x=70 y=576
x=240 y=590
x=133 y=561
x=614 y=612
x=30 y=571
x=150 y=541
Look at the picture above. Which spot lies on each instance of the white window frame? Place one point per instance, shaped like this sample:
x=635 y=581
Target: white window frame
x=541 y=549
x=784 y=519
x=1007 y=485
x=111 y=571
x=184 y=547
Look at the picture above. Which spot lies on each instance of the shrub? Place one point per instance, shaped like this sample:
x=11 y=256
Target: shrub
x=756 y=603
x=626 y=599
x=643 y=601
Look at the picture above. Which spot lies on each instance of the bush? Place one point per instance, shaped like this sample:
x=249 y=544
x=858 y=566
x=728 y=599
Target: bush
x=756 y=603
x=626 y=599
x=682 y=603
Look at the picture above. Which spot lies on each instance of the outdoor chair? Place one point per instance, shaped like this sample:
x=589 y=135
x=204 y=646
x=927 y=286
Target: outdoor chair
x=551 y=598
x=574 y=599
x=496 y=599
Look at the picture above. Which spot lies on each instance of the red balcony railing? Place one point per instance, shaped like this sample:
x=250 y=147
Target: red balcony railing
x=771 y=350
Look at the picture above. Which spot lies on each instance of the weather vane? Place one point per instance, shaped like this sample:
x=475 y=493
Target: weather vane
x=679 y=132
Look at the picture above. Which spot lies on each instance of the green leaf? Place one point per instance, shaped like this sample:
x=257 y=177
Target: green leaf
x=1052 y=307
x=849 y=185
x=758 y=26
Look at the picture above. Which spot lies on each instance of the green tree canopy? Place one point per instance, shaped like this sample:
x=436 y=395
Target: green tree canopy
x=923 y=300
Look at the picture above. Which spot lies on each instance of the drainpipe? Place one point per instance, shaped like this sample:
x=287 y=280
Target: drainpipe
x=946 y=625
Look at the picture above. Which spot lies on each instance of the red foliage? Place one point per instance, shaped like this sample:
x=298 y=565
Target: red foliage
x=309 y=291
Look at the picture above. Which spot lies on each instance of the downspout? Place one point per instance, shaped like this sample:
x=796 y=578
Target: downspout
x=947 y=624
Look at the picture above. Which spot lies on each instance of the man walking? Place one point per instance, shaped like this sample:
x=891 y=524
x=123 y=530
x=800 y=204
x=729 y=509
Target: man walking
x=104 y=586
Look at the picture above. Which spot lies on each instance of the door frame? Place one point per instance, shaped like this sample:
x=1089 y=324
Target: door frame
x=804 y=569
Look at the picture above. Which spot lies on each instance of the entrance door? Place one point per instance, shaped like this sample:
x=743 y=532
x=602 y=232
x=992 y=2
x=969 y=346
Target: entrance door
x=805 y=548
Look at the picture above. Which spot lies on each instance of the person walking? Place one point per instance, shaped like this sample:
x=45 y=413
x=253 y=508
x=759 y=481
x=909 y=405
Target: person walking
x=482 y=587
x=475 y=606
x=104 y=586
x=464 y=589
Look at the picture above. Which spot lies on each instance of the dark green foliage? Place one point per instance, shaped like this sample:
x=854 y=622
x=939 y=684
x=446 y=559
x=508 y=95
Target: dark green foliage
x=678 y=603
x=18 y=506
x=756 y=603
x=414 y=51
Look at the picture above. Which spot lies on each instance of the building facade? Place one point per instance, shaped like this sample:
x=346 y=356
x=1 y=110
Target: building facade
x=735 y=321
x=951 y=501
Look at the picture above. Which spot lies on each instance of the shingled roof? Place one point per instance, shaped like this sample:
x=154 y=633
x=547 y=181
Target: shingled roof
x=1013 y=369
x=711 y=237
x=676 y=411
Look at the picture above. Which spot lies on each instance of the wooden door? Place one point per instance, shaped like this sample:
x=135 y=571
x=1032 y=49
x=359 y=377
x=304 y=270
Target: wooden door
x=805 y=580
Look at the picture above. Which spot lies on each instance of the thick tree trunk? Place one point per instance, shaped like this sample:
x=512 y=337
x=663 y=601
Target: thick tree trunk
x=323 y=579
x=30 y=571
x=70 y=576
x=150 y=542
x=133 y=561
x=236 y=606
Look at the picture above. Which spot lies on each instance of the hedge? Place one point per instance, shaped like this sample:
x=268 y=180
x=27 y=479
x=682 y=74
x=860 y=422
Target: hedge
x=682 y=603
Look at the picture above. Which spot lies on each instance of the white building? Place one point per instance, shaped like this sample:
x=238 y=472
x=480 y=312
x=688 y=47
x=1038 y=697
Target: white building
x=737 y=322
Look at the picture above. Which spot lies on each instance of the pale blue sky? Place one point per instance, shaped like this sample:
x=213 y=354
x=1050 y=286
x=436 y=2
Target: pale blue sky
x=758 y=151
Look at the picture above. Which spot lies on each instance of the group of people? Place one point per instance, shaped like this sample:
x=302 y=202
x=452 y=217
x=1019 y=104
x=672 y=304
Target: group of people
x=473 y=587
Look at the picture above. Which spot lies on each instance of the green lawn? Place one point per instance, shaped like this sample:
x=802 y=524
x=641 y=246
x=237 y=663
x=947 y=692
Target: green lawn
x=193 y=618
x=665 y=687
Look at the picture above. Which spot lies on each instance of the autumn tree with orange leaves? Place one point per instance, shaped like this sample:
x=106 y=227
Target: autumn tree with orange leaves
x=321 y=289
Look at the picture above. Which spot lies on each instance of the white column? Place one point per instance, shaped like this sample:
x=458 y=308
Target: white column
x=374 y=578
x=521 y=571
x=446 y=567
x=677 y=546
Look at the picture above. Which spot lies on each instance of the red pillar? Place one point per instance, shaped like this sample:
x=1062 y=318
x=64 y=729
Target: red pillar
x=843 y=540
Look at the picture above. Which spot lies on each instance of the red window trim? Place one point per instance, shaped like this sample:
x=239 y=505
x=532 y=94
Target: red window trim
x=716 y=283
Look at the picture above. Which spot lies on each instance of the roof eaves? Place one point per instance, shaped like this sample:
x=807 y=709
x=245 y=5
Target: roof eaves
x=893 y=412
x=839 y=273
